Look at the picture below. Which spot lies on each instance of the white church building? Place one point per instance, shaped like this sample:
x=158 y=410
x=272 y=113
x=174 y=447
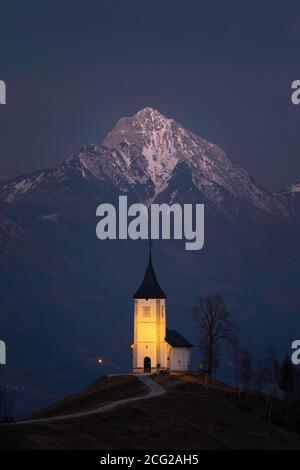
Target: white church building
x=154 y=345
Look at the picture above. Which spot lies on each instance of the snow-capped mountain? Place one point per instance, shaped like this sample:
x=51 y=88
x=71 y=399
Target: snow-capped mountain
x=140 y=156
x=163 y=144
x=62 y=289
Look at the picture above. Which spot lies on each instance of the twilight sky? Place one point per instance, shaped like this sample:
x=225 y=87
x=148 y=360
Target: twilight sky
x=222 y=69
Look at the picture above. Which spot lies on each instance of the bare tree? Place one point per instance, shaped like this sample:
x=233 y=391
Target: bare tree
x=236 y=362
x=272 y=377
x=296 y=407
x=287 y=377
x=215 y=327
x=260 y=377
x=246 y=368
x=273 y=370
x=287 y=382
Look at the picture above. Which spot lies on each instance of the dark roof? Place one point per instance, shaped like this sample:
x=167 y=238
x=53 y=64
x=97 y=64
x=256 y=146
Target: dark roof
x=150 y=289
x=176 y=340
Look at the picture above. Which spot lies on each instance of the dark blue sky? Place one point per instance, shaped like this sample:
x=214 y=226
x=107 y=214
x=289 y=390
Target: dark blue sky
x=223 y=69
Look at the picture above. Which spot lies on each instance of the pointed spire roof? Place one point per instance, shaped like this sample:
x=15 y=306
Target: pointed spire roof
x=149 y=288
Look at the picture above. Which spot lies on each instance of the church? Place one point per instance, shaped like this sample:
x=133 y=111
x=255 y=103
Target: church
x=155 y=346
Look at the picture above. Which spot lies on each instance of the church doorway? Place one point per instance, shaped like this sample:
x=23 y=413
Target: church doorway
x=147 y=365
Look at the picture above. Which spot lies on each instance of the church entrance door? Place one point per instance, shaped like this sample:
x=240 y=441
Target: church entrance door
x=147 y=364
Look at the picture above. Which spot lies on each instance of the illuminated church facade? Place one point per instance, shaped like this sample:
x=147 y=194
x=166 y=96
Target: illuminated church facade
x=155 y=346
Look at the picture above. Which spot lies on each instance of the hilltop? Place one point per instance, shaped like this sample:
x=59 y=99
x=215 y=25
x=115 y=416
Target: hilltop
x=191 y=415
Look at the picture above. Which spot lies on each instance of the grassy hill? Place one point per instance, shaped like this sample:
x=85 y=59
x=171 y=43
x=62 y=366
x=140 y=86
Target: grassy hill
x=192 y=415
x=101 y=392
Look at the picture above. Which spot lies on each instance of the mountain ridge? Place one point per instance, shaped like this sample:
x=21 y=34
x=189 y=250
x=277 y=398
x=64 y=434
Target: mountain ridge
x=140 y=155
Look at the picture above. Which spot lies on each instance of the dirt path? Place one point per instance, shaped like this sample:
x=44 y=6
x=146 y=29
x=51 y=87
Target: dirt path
x=154 y=390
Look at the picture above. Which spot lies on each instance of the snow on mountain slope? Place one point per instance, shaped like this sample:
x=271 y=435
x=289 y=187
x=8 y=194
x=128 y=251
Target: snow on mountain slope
x=93 y=164
x=290 y=197
x=292 y=188
x=165 y=143
x=141 y=154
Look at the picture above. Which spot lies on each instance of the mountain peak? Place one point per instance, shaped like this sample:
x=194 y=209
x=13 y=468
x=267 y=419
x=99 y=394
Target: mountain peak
x=160 y=144
x=148 y=111
x=150 y=114
x=144 y=153
x=157 y=138
x=145 y=120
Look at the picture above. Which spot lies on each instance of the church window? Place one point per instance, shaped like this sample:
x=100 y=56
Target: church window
x=146 y=312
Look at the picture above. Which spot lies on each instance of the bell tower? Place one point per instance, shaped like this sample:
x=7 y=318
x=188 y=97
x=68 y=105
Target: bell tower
x=149 y=347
